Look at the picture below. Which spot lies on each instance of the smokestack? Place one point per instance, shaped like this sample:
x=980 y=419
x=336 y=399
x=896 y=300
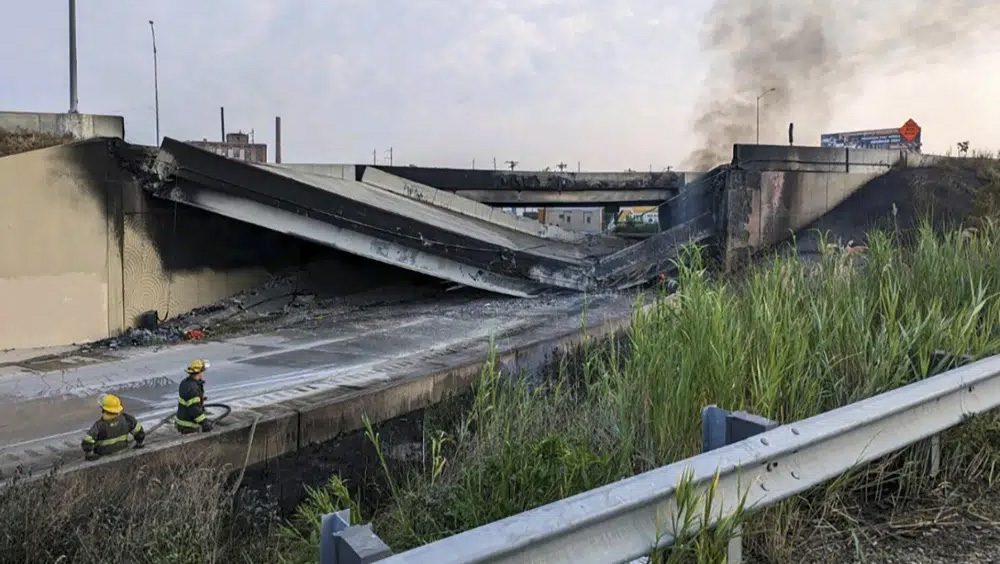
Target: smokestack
x=222 y=122
x=277 y=139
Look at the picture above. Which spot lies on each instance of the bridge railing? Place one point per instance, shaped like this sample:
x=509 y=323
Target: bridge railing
x=626 y=520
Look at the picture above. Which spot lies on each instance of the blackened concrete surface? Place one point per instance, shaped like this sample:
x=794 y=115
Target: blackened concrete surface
x=896 y=202
x=376 y=214
x=454 y=179
x=305 y=385
x=567 y=199
x=185 y=239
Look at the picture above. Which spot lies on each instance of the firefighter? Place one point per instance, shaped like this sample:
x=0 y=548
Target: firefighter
x=110 y=433
x=191 y=416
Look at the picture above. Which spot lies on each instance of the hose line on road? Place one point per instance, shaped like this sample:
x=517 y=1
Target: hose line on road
x=225 y=413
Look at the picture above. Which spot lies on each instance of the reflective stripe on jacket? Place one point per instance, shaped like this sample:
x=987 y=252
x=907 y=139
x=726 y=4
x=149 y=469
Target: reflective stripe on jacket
x=190 y=405
x=110 y=434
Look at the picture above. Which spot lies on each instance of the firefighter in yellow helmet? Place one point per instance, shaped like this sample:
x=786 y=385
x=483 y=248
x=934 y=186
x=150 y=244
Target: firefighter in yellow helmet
x=110 y=433
x=191 y=416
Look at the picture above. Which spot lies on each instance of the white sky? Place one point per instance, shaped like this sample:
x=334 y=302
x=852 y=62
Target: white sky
x=609 y=84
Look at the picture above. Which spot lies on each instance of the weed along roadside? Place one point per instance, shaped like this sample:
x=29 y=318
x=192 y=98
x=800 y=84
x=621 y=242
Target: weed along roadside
x=787 y=340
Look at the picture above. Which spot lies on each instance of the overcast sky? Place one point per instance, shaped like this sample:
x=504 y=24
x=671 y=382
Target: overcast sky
x=611 y=84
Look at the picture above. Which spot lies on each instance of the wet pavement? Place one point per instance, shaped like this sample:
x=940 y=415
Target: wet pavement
x=48 y=406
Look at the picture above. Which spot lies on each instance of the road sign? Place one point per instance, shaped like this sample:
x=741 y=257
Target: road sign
x=910 y=130
x=907 y=138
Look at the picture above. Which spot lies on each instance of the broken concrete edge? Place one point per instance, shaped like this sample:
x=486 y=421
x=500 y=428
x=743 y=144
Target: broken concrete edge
x=464 y=206
x=346 y=240
x=254 y=436
x=357 y=207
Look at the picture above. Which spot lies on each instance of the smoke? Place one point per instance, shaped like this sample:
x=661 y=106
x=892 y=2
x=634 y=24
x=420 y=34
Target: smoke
x=811 y=51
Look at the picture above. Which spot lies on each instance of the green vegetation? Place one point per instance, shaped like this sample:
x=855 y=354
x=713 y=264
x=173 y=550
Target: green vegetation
x=788 y=340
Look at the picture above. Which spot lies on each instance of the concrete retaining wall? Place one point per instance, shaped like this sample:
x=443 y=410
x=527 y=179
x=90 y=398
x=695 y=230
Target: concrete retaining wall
x=80 y=126
x=773 y=191
x=85 y=250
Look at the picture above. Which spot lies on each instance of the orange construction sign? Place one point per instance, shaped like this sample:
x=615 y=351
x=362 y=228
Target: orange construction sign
x=910 y=130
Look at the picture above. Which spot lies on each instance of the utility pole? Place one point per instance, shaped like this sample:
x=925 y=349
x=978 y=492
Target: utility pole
x=389 y=153
x=473 y=164
x=277 y=139
x=511 y=164
x=762 y=94
x=494 y=163
x=73 y=100
x=374 y=156
x=156 y=84
x=561 y=166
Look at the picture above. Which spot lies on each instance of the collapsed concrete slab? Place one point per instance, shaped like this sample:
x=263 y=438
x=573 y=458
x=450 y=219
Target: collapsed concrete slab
x=394 y=221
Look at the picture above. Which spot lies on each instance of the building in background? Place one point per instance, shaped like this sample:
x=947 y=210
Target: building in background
x=237 y=146
x=639 y=214
x=906 y=138
x=585 y=220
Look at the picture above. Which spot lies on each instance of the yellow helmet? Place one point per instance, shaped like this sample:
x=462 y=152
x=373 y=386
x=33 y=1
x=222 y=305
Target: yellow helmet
x=197 y=366
x=111 y=404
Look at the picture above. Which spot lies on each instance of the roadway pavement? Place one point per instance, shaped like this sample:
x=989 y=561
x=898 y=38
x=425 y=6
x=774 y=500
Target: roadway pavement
x=48 y=404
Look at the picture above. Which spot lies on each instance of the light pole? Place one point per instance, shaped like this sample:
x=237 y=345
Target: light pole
x=758 y=111
x=156 y=85
x=73 y=101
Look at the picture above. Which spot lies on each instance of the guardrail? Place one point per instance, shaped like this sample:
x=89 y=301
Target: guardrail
x=626 y=520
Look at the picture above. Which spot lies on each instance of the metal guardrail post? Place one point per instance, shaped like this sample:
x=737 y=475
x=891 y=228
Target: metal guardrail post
x=719 y=428
x=940 y=362
x=342 y=543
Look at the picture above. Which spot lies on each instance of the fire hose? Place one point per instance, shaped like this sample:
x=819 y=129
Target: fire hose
x=226 y=410
x=225 y=413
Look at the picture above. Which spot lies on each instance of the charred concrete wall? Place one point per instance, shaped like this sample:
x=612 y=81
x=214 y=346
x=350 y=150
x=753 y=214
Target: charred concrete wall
x=85 y=250
x=771 y=192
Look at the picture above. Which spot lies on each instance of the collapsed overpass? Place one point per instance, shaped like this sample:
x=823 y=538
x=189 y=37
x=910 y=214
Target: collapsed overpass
x=387 y=218
x=110 y=231
x=392 y=215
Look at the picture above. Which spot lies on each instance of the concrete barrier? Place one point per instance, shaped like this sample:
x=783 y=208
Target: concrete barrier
x=824 y=159
x=80 y=126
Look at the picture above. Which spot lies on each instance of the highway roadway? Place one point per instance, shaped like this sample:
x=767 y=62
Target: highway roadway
x=47 y=406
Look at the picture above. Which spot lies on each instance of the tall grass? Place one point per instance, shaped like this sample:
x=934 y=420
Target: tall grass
x=177 y=511
x=790 y=340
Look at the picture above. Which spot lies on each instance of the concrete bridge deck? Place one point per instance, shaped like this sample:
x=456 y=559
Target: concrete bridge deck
x=48 y=407
x=383 y=218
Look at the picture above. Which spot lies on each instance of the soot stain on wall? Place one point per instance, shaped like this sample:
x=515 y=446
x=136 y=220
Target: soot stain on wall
x=188 y=239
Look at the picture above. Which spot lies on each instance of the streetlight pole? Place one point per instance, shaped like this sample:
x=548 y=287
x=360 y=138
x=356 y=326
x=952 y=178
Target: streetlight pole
x=73 y=101
x=156 y=84
x=762 y=94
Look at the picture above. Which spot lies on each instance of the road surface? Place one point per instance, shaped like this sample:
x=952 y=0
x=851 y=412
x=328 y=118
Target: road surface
x=47 y=406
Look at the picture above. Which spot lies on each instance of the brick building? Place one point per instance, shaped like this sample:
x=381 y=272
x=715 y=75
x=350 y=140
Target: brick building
x=237 y=146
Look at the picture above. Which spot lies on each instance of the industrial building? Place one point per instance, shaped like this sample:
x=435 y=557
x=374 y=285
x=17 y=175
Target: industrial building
x=237 y=146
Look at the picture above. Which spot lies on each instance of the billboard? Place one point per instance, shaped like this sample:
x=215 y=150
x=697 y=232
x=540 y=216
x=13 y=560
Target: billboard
x=906 y=137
